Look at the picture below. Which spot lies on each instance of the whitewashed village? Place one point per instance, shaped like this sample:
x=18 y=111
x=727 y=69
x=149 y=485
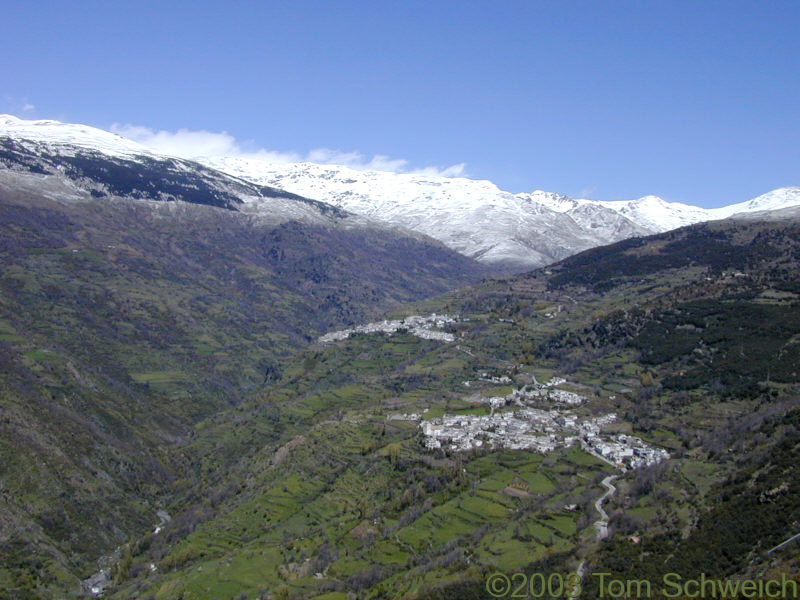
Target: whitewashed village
x=535 y=417
x=523 y=426
x=422 y=327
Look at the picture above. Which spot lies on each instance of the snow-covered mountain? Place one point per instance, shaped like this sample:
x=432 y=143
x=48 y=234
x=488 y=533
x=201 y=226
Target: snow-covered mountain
x=174 y=220
x=473 y=217
x=69 y=163
x=482 y=221
x=774 y=200
x=55 y=134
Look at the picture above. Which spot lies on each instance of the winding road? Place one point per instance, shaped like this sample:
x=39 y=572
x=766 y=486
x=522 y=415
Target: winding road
x=601 y=525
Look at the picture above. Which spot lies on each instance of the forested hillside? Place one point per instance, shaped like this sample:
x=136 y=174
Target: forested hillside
x=329 y=483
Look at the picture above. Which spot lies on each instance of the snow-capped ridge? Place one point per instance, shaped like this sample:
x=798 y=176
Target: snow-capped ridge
x=56 y=133
x=776 y=199
x=473 y=217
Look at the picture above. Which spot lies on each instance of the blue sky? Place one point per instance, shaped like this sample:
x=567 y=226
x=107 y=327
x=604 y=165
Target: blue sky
x=697 y=102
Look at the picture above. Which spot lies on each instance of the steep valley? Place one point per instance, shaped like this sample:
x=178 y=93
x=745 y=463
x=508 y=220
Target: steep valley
x=211 y=388
x=124 y=322
x=325 y=483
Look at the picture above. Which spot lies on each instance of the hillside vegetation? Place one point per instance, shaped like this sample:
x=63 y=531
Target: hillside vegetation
x=312 y=489
x=123 y=323
x=172 y=426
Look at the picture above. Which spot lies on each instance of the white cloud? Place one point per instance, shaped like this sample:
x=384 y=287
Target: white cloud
x=587 y=192
x=16 y=105
x=185 y=143
x=195 y=144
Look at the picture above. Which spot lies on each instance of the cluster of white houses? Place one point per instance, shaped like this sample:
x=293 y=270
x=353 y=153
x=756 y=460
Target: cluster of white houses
x=628 y=450
x=422 y=327
x=540 y=431
x=545 y=392
x=536 y=393
x=526 y=429
x=523 y=428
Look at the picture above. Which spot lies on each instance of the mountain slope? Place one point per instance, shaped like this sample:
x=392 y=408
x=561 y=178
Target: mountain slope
x=99 y=164
x=159 y=350
x=332 y=488
x=473 y=217
x=774 y=200
x=138 y=296
x=478 y=219
x=508 y=231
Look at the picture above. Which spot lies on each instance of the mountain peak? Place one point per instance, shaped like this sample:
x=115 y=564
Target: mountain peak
x=473 y=217
x=777 y=198
x=650 y=199
x=56 y=133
